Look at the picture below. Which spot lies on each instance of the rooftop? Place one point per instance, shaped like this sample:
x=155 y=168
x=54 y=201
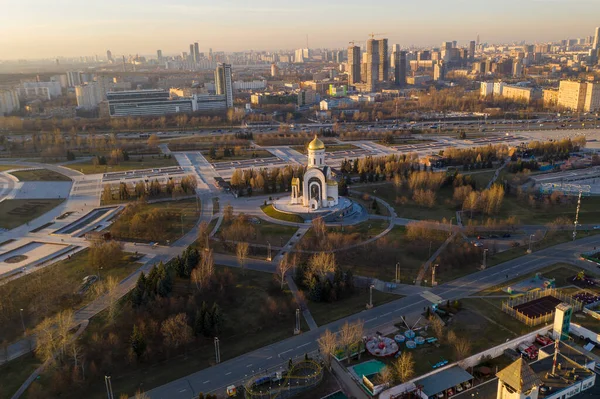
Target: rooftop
x=444 y=379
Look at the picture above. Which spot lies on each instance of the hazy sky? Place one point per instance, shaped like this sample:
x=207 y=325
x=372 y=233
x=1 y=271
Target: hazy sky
x=49 y=28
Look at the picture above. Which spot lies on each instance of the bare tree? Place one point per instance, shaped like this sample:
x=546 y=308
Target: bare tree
x=351 y=334
x=327 y=346
x=462 y=347
x=176 y=331
x=318 y=225
x=437 y=327
x=111 y=285
x=53 y=336
x=282 y=268
x=322 y=263
x=242 y=253
x=404 y=367
x=203 y=235
x=385 y=376
x=203 y=272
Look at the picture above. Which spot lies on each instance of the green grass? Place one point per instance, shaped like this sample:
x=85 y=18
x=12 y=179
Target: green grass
x=52 y=289
x=512 y=206
x=172 y=230
x=15 y=212
x=492 y=309
x=481 y=178
x=135 y=162
x=14 y=374
x=326 y=312
x=410 y=209
x=39 y=175
x=274 y=213
x=248 y=325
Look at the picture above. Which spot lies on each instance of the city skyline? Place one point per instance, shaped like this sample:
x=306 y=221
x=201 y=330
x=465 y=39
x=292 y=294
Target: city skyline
x=64 y=29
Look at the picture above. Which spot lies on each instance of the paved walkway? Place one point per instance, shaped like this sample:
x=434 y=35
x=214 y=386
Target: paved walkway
x=427 y=265
x=312 y=324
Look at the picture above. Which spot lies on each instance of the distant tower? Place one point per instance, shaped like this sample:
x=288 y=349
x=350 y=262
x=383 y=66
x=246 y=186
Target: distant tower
x=109 y=56
x=196 y=52
x=400 y=70
x=354 y=57
x=478 y=39
x=372 y=74
x=274 y=70
x=159 y=55
x=472 y=50
x=518 y=381
x=224 y=83
x=192 y=54
x=596 y=45
x=384 y=60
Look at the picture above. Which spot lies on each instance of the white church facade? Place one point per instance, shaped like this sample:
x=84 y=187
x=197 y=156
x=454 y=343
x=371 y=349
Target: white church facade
x=319 y=189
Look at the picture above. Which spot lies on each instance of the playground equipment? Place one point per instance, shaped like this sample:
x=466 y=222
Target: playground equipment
x=419 y=340
x=400 y=338
x=302 y=376
x=538 y=282
x=439 y=364
x=381 y=346
x=411 y=344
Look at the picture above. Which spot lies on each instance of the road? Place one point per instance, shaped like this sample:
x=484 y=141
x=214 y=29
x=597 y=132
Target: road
x=232 y=371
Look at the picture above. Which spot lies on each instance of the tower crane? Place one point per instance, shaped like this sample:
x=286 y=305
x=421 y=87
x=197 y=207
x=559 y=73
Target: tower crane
x=377 y=34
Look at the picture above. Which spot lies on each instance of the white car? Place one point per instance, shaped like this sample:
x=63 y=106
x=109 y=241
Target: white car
x=478 y=244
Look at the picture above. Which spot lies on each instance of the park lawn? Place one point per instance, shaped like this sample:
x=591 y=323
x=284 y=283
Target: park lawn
x=14 y=373
x=378 y=259
x=482 y=178
x=410 y=209
x=326 y=312
x=244 y=155
x=287 y=217
x=512 y=206
x=242 y=332
x=400 y=142
x=353 y=234
x=491 y=309
x=551 y=239
x=368 y=205
x=559 y=271
x=177 y=225
x=135 y=162
x=39 y=175
x=328 y=148
x=15 y=212
x=54 y=288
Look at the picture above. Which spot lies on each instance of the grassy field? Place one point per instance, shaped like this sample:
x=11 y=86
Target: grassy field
x=52 y=289
x=512 y=206
x=39 y=175
x=265 y=232
x=176 y=226
x=410 y=209
x=135 y=162
x=481 y=178
x=347 y=236
x=274 y=213
x=326 y=312
x=400 y=141
x=248 y=325
x=329 y=148
x=14 y=373
x=368 y=205
x=15 y=212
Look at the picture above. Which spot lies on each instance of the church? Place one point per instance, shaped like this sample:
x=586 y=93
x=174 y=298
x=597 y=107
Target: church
x=319 y=189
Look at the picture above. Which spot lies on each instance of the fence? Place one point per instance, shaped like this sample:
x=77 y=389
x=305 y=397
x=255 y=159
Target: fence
x=303 y=375
x=509 y=306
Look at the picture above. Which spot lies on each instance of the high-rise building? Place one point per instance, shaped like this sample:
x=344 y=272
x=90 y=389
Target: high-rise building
x=88 y=95
x=354 y=57
x=400 y=70
x=596 y=45
x=274 y=70
x=224 y=83
x=109 y=56
x=439 y=71
x=9 y=102
x=592 y=98
x=472 y=50
x=384 y=60
x=372 y=74
x=571 y=95
x=73 y=78
x=196 y=52
x=192 y=54
x=159 y=55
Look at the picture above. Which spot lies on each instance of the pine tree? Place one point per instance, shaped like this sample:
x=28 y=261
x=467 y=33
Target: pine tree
x=198 y=323
x=138 y=296
x=216 y=318
x=138 y=342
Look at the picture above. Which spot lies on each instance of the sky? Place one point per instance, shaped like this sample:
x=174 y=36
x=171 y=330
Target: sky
x=31 y=29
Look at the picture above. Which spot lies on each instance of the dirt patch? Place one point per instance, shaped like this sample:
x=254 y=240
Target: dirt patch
x=16 y=259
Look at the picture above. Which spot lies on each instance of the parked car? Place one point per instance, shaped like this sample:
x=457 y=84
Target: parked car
x=511 y=354
x=478 y=244
x=543 y=340
x=506 y=235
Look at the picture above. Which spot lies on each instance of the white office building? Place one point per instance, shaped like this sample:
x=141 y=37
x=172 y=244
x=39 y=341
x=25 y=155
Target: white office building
x=486 y=89
x=89 y=95
x=39 y=90
x=209 y=102
x=9 y=102
x=146 y=103
x=224 y=83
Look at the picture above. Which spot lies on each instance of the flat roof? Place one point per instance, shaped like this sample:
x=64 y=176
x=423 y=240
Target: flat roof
x=443 y=380
x=568 y=351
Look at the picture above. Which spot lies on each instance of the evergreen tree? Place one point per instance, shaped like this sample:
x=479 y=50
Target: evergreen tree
x=216 y=318
x=138 y=295
x=138 y=342
x=198 y=323
x=208 y=326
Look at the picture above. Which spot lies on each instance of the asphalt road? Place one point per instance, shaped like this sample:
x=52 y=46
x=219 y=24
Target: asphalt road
x=218 y=377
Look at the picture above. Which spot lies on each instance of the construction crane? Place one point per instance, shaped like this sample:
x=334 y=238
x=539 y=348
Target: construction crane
x=377 y=34
x=354 y=42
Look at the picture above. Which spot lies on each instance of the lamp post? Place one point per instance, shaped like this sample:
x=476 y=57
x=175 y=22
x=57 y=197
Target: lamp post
x=484 y=264
x=398 y=272
x=530 y=237
x=217 y=351
x=23 y=322
x=370 y=305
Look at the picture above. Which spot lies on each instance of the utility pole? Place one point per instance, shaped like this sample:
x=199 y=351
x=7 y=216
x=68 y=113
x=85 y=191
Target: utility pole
x=268 y=251
x=433 y=267
x=182 y=224
x=107 y=383
x=370 y=305
x=484 y=264
x=577 y=216
x=217 y=351
x=297 y=328
x=529 y=250
x=23 y=322
x=397 y=272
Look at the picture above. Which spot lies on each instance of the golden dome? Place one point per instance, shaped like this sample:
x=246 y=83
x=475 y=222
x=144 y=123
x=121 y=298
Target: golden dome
x=316 y=144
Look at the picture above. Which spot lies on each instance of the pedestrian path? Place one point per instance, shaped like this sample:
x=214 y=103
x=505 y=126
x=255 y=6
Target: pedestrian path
x=312 y=324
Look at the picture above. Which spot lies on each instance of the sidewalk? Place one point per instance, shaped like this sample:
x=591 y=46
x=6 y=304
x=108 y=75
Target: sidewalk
x=427 y=264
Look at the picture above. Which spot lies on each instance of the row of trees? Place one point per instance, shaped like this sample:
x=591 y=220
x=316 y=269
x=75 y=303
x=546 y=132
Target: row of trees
x=323 y=279
x=267 y=180
x=148 y=190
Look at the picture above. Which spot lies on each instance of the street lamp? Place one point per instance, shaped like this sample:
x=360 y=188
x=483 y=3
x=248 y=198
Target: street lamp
x=370 y=305
x=398 y=272
x=530 y=237
x=484 y=265
x=23 y=322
